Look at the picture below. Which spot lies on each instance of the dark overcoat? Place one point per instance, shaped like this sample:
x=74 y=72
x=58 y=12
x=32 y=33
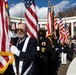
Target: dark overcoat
x=45 y=56
x=28 y=56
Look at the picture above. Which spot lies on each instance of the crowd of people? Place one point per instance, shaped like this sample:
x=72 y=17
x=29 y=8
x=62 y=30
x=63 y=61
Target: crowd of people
x=55 y=54
x=38 y=57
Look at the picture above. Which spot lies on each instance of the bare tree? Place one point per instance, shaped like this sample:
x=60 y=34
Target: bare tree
x=69 y=12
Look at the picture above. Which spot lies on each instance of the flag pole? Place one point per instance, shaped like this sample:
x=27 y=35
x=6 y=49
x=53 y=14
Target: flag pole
x=7 y=10
x=8 y=18
x=21 y=13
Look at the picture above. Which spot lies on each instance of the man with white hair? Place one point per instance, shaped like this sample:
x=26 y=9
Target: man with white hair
x=25 y=52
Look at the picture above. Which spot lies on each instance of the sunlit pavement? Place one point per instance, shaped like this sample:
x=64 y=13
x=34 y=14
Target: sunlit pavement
x=64 y=68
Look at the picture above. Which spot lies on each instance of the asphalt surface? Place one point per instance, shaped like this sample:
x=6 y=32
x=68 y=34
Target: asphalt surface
x=63 y=68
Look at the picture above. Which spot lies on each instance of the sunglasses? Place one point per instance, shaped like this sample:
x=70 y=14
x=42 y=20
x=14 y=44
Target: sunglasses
x=20 y=30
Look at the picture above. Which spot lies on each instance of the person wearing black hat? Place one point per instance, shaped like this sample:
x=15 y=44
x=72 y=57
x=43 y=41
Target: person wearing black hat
x=44 y=49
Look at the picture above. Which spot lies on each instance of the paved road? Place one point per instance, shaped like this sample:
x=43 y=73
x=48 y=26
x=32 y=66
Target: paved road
x=63 y=68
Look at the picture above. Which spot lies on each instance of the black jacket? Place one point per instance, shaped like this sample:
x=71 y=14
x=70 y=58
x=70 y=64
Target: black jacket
x=28 y=56
x=65 y=48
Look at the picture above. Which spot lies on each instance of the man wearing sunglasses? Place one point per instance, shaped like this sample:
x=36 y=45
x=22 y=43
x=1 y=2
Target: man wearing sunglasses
x=25 y=52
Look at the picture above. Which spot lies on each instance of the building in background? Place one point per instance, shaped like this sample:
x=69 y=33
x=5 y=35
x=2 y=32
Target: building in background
x=71 y=22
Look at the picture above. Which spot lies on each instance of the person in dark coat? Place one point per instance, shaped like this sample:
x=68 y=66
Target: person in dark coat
x=71 y=50
x=25 y=60
x=45 y=54
x=56 y=52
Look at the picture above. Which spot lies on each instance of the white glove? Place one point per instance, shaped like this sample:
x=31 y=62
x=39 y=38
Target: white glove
x=62 y=48
x=38 y=48
x=56 y=49
x=14 y=50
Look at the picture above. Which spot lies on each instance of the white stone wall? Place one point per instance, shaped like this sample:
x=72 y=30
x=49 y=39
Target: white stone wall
x=43 y=22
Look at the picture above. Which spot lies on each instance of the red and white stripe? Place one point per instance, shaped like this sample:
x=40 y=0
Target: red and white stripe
x=49 y=23
x=55 y=23
x=67 y=35
x=61 y=32
x=31 y=21
x=67 y=32
x=4 y=39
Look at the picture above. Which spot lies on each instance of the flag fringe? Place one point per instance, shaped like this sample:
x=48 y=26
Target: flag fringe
x=2 y=70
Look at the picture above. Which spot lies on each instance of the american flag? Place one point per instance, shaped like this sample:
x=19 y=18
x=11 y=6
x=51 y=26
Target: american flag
x=55 y=25
x=61 y=30
x=4 y=38
x=31 y=19
x=55 y=22
x=67 y=34
x=49 y=19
